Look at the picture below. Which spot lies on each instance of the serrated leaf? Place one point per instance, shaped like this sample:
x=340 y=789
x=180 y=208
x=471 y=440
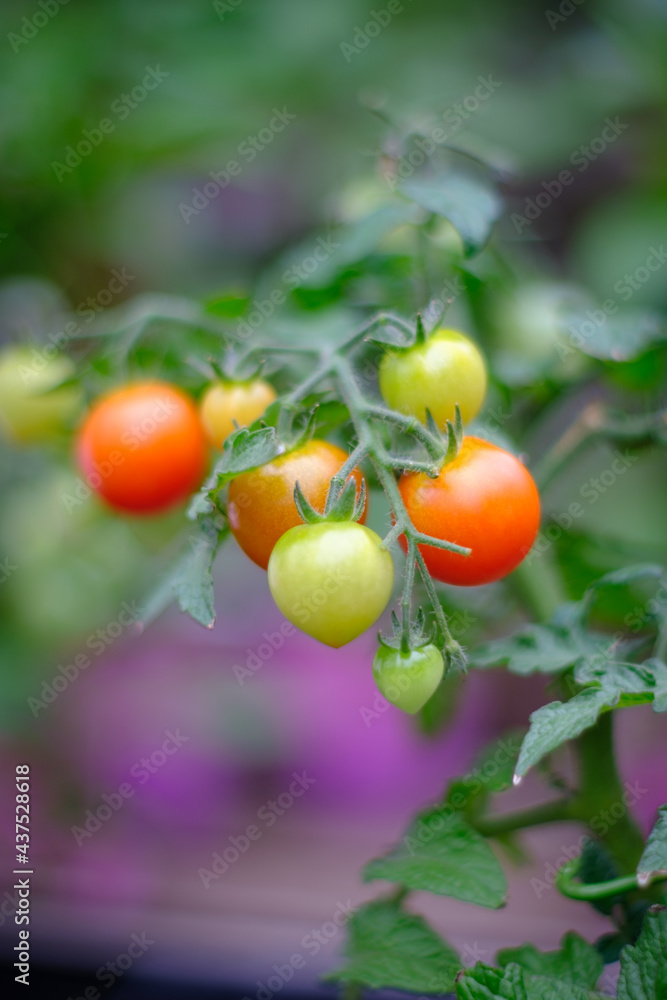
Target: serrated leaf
x=558 y=722
x=630 y=678
x=629 y=574
x=576 y=961
x=613 y=685
x=388 y=948
x=545 y=649
x=248 y=449
x=441 y=853
x=494 y=767
x=345 y=245
x=621 y=337
x=659 y=671
x=470 y=204
x=244 y=450
x=654 y=858
x=193 y=581
x=514 y=983
x=644 y=965
x=190 y=581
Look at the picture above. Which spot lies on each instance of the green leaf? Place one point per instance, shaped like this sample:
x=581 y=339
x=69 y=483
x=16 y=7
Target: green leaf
x=575 y=962
x=470 y=204
x=345 y=245
x=654 y=858
x=193 y=580
x=248 y=449
x=190 y=580
x=514 y=983
x=388 y=948
x=659 y=671
x=558 y=722
x=621 y=337
x=441 y=853
x=545 y=649
x=613 y=685
x=644 y=965
x=244 y=450
x=494 y=767
x=629 y=574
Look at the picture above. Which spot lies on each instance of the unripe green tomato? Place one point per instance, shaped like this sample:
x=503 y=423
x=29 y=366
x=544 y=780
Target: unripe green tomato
x=29 y=412
x=408 y=680
x=532 y=333
x=332 y=580
x=446 y=370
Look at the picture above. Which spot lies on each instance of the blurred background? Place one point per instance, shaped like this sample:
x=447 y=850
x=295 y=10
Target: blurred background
x=119 y=123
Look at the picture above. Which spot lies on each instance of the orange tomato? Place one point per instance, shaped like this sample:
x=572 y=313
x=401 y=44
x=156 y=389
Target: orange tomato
x=142 y=448
x=486 y=500
x=261 y=503
x=226 y=402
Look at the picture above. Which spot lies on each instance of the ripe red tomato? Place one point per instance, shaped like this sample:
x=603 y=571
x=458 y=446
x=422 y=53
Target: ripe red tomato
x=142 y=448
x=484 y=499
x=261 y=503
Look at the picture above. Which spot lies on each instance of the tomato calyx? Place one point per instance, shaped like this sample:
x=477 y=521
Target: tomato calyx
x=400 y=334
x=406 y=640
x=342 y=504
x=452 y=439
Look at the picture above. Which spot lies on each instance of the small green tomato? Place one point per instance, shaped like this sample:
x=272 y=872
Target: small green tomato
x=409 y=679
x=435 y=375
x=29 y=411
x=332 y=580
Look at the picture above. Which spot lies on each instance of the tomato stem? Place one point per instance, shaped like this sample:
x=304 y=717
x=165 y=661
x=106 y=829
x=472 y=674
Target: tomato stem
x=568 y=886
x=406 y=596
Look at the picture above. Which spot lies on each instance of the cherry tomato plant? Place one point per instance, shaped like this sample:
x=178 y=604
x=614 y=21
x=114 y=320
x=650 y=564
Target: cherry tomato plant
x=311 y=423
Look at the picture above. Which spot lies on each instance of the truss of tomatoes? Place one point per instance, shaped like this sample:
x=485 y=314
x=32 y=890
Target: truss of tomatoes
x=144 y=447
